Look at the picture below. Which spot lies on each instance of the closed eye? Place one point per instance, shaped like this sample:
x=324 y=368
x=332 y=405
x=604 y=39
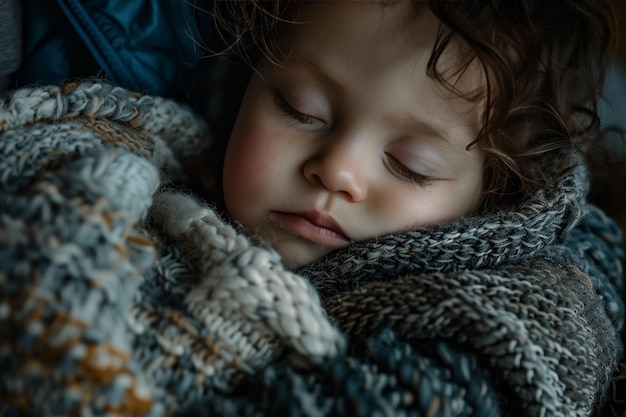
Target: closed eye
x=404 y=172
x=292 y=113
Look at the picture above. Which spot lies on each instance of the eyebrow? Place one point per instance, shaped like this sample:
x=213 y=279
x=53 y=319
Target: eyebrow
x=319 y=71
x=414 y=123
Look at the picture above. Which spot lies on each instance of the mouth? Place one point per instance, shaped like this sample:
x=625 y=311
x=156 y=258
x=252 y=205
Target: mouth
x=312 y=225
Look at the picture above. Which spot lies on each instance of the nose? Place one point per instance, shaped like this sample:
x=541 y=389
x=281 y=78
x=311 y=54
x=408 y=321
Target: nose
x=340 y=168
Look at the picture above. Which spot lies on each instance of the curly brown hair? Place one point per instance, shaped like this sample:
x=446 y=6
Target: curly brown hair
x=544 y=64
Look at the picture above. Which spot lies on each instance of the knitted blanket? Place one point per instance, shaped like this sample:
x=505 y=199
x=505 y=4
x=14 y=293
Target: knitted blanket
x=123 y=294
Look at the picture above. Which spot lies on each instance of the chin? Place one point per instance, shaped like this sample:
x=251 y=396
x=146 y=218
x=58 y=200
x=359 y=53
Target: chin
x=291 y=262
x=294 y=257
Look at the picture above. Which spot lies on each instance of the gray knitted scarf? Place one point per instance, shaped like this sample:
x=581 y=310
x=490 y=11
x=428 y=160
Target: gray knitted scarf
x=121 y=294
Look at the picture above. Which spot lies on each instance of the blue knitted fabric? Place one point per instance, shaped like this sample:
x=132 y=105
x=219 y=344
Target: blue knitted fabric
x=123 y=295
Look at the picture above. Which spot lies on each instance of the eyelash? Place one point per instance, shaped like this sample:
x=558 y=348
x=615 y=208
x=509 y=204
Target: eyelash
x=289 y=111
x=416 y=178
x=305 y=119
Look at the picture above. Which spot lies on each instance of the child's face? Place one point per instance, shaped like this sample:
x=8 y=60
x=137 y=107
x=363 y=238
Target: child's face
x=348 y=138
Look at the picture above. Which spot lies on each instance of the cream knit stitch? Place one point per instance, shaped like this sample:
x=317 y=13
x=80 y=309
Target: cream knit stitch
x=241 y=284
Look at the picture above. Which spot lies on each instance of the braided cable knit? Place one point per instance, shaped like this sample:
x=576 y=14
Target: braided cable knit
x=94 y=99
x=246 y=283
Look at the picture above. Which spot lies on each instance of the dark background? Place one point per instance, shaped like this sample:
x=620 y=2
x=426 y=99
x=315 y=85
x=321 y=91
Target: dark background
x=620 y=13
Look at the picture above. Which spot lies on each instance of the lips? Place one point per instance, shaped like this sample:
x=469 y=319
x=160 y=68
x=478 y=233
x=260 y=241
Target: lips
x=312 y=225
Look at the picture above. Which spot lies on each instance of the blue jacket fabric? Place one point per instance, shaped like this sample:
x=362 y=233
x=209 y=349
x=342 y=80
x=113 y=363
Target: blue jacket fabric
x=149 y=46
x=10 y=40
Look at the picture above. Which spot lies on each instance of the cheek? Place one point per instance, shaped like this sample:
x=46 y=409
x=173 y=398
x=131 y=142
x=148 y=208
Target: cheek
x=400 y=210
x=243 y=166
x=243 y=158
x=252 y=165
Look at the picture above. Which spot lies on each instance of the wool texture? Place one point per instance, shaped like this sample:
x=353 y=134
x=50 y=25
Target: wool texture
x=124 y=294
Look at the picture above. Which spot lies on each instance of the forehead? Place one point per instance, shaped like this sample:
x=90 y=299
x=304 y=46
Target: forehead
x=364 y=17
x=353 y=26
x=380 y=53
x=378 y=37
